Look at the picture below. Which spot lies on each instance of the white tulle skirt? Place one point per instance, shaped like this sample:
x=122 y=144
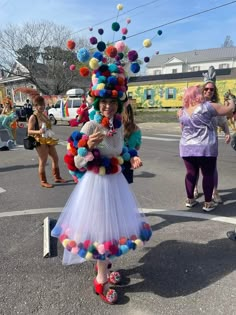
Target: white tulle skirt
x=100 y=220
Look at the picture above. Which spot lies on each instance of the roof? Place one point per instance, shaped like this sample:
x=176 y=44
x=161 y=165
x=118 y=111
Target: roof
x=229 y=73
x=194 y=56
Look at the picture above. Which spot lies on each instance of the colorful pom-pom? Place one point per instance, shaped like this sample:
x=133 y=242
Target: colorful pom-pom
x=101 y=46
x=72 y=67
x=100 y=31
x=157 y=52
x=119 y=7
x=93 y=63
x=93 y=40
x=128 y=21
x=70 y=44
x=135 y=67
x=115 y=26
x=111 y=51
x=147 y=43
x=65 y=242
x=159 y=32
x=84 y=71
x=146 y=59
x=102 y=171
x=82 y=151
x=83 y=55
x=124 y=31
x=123 y=37
x=98 y=55
x=132 y=55
x=90 y=28
x=120 y=46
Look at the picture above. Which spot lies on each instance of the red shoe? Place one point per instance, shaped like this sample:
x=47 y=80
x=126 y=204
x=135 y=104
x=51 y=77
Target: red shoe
x=111 y=295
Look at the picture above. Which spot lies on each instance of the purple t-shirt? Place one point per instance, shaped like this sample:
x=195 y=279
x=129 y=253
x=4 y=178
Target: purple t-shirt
x=198 y=134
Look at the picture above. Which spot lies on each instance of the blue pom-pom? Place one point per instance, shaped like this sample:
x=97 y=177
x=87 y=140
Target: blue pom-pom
x=102 y=79
x=82 y=252
x=105 y=161
x=133 y=152
x=126 y=156
x=124 y=249
x=101 y=46
x=76 y=135
x=113 y=68
x=103 y=93
x=83 y=55
x=98 y=55
x=98 y=118
x=82 y=151
x=120 y=94
x=123 y=37
x=125 y=149
x=100 y=31
x=92 y=114
x=56 y=232
x=112 y=80
x=135 y=67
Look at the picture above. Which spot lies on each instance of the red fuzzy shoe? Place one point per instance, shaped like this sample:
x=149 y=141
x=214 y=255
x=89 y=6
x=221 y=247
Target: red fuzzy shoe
x=114 y=277
x=110 y=297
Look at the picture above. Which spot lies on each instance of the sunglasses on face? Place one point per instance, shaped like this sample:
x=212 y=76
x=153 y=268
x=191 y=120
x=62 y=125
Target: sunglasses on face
x=210 y=89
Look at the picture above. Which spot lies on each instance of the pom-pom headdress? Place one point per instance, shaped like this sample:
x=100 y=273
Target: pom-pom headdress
x=210 y=75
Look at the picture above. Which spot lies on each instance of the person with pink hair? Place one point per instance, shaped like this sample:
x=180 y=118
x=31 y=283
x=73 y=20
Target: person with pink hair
x=198 y=143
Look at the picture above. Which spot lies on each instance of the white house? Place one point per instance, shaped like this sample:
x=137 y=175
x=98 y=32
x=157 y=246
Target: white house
x=191 y=61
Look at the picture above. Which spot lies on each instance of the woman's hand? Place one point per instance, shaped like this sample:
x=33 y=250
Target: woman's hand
x=227 y=138
x=136 y=162
x=95 y=138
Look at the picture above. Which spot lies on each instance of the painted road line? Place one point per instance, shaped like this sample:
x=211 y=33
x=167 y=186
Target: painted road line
x=2 y=190
x=159 y=139
x=176 y=213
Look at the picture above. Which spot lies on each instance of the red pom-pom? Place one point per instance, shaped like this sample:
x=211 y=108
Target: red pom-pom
x=84 y=71
x=120 y=81
x=122 y=240
x=72 y=244
x=82 y=143
x=107 y=245
x=105 y=122
x=87 y=243
x=114 y=169
x=133 y=237
x=113 y=249
x=68 y=159
x=114 y=93
x=114 y=161
x=71 y=44
x=62 y=237
x=111 y=51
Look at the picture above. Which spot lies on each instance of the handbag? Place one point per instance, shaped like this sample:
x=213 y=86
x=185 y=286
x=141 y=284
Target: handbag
x=30 y=142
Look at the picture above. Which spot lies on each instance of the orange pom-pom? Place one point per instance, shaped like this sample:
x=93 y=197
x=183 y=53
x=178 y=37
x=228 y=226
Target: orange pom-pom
x=105 y=122
x=114 y=93
x=120 y=81
x=70 y=44
x=84 y=71
x=82 y=143
x=114 y=161
x=111 y=51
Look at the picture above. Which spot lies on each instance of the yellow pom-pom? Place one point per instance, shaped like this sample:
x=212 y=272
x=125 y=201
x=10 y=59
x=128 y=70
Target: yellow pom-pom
x=147 y=43
x=100 y=86
x=138 y=242
x=102 y=170
x=119 y=7
x=120 y=160
x=65 y=242
x=88 y=256
x=95 y=244
x=93 y=63
x=68 y=146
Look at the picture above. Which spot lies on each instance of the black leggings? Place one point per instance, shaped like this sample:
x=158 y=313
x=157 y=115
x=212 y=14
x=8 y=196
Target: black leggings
x=207 y=166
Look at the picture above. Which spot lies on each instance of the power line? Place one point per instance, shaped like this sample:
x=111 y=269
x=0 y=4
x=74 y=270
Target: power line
x=181 y=19
x=110 y=19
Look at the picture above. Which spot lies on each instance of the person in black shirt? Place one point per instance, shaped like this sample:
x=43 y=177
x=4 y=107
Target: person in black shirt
x=28 y=109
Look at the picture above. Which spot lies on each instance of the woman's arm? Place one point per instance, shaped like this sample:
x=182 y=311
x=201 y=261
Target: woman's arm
x=224 y=110
x=31 y=127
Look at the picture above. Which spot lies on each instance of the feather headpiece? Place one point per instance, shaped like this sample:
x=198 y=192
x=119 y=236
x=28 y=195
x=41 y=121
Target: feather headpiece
x=210 y=75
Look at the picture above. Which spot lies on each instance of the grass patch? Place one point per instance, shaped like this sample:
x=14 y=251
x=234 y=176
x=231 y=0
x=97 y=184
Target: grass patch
x=155 y=115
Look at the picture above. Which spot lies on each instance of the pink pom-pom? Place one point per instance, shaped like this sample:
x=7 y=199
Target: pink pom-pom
x=124 y=30
x=128 y=21
x=85 y=137
x=72 y=67
x=107 y=245
x=96 y=169
x=89 y=157
x=74 y=250
x=104 y=60
x=120 y=46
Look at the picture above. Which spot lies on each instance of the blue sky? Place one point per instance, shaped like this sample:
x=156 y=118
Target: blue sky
x=203 y=31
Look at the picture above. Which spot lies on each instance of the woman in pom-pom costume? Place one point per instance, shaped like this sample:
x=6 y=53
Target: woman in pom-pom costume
x=101 y=220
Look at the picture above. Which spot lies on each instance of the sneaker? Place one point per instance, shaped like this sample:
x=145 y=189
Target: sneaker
x=209 y=206
x=216 y=197
x=190 y=203
x=196 y=193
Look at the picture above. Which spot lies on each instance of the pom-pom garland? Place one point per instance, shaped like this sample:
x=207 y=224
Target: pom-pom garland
x=93 y=40
x=109 y=249
x=147 y=43
x=70 y=44
x=83 y=55
x=135 y=67
x=132 y=55
x=72 y=67
x=84 y=71
x=115 y=26
x=100 y=31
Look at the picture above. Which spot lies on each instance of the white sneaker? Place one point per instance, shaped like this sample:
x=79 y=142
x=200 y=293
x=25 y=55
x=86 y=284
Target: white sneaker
x=216 y=197
x=190 y=203
x=209 y=206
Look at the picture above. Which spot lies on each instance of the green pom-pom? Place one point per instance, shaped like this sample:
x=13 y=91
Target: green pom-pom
x=101 y=46
x=115 y=26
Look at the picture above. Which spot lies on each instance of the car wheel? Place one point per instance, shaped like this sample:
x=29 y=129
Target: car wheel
x=53 y=119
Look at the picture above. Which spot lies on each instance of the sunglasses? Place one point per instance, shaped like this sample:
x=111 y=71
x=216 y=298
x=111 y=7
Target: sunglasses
x=210 y=89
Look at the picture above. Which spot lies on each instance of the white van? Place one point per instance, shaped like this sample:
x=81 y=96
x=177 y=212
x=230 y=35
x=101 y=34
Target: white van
x=66 y=109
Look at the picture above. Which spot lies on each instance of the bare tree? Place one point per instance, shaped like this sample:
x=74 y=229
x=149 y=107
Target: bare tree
x=41 y=48
x=228 y=42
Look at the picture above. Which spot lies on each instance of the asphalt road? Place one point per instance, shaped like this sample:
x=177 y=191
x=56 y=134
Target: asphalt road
x=188 y=267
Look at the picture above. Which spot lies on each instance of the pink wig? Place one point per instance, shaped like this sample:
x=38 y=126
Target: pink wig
x=192 y=96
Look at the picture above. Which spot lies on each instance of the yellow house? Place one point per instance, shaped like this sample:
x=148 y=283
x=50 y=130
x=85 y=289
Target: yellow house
x=166 y=90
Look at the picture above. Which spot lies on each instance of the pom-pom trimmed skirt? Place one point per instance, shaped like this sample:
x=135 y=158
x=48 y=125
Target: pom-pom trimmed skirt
x=100 y=220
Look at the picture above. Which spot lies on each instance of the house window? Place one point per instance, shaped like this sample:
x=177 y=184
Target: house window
x=174 y=70
x=195 y=68
x=223 y=66
x=148 y=94
x=130 y=95
x=170 y=93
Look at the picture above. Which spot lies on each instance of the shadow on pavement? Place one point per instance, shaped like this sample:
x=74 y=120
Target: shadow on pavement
x=17 y=167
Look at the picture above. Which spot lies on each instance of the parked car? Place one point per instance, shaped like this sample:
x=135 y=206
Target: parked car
x=66 y=109
x=20 y=112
